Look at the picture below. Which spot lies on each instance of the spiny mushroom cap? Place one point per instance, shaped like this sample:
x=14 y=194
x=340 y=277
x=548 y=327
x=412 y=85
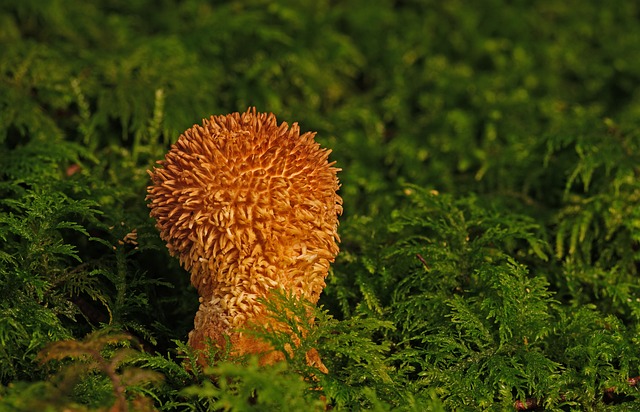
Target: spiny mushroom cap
x=247 y=205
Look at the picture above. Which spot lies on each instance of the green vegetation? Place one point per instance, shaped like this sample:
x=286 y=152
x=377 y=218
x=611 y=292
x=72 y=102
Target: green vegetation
x=490 y=249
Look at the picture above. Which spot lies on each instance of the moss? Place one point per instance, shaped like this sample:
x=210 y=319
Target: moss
x=490 y=235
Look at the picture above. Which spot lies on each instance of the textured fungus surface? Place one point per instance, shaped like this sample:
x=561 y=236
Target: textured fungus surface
x=247 y=205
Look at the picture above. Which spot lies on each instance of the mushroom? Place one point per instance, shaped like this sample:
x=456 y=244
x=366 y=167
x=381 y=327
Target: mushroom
x=248 y=206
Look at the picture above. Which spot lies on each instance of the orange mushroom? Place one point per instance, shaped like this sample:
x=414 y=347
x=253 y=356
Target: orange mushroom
x=247 y=205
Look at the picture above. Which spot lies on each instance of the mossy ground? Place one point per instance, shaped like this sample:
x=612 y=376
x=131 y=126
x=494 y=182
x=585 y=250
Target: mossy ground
x=491 y=235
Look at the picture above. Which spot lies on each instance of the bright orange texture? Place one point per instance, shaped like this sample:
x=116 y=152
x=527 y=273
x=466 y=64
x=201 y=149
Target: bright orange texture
x=248 y=206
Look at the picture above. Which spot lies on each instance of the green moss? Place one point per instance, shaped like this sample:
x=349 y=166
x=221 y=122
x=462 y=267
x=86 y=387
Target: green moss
x=491 y=234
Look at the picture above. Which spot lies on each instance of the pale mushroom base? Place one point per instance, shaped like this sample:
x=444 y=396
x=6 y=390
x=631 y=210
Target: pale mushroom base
x=211 y=332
